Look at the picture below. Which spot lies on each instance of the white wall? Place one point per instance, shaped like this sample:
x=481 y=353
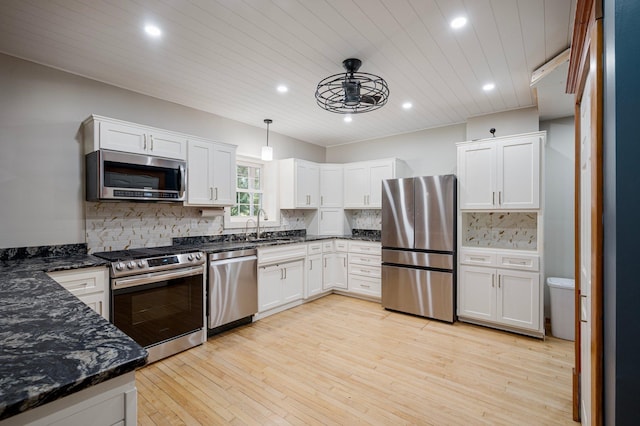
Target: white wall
x=426 y=152
x=41 y=155
x=523 y=120
x=559 y=253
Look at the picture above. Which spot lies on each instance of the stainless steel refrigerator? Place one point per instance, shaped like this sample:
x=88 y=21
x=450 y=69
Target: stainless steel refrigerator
x=419 y=246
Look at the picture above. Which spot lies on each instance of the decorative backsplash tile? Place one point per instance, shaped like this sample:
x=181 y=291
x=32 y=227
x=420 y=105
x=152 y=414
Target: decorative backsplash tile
x=122 y=225
x=366 y=219
x=506 y=230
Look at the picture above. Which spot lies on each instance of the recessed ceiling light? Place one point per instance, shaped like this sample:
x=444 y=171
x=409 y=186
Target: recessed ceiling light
x=152 y=30
x=488 y=87
x=407 y=105
x=458 y=22
x=283 y=89
x=348 y=119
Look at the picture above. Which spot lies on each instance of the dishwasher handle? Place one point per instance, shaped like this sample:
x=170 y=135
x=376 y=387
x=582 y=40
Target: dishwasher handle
x=231 y=260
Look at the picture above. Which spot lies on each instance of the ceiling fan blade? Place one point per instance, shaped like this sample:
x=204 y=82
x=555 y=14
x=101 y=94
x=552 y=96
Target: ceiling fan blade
x=367 y=99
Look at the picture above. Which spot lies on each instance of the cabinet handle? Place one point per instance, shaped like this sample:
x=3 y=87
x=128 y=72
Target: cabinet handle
x=365 y=285
x=522 y=262
x=285 y=273
x=145 y=143
x=311 y=264
x=216 y=197
x=493 y=198
x=281 y=274
x=493 y=280
x=151 y=139
x=498 y=280
x=479 y=259
x=499 y=197
x=210 y=193
x=325 y=262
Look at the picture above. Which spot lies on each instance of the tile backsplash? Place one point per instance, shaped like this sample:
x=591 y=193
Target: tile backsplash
x=504 y=230
x=366 y=219
x=122 y=225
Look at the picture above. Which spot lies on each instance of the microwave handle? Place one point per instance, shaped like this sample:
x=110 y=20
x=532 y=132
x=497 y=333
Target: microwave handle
x=183 y=179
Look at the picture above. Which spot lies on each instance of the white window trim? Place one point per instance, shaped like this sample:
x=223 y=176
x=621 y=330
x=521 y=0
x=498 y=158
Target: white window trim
x=270 y=198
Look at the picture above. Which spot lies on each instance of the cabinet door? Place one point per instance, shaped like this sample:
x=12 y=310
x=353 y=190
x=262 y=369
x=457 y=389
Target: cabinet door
x=519 y=299
x=340 y=271
x=377 y=173
x=477 y=176
x=518 y=173
x=199 y=176
x=331 y=222
x=314 y=276
x=477 y=293
x=120 y=137
x=356 y=185
x=269 y=287
x=167 y=145
x=331 y=185
x=307 y=184
x=223 y=174
x=328 y=271
x=97 y=302
x=293 y=282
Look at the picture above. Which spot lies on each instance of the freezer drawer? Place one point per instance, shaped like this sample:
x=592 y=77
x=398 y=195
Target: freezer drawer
x=419 y=292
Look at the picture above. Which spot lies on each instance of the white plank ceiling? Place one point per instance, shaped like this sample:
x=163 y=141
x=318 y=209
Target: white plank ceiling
x=227 y=57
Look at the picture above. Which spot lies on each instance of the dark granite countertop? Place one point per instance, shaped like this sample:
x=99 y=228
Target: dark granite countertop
x=52 y=344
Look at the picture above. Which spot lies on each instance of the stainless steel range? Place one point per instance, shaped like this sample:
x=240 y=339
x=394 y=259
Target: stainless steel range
x=158 y=298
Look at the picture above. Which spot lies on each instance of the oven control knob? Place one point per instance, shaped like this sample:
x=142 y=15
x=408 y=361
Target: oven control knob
x=119 y=266
x=198 y=256
x=140 y=264
x=190 y=257
x=131 y=265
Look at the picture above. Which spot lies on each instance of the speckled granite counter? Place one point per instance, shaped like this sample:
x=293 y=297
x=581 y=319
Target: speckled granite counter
x=51 y=344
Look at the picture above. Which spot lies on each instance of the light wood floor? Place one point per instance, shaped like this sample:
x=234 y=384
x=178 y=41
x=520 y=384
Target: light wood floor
x=340 y=360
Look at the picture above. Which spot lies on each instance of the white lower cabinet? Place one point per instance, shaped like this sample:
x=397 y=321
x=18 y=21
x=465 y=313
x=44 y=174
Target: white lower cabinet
x=113 y=402
x=280 y=284
x=314 y=276
x=90 y=285
x=365 y=268
x=504 y=298
x=334 y=273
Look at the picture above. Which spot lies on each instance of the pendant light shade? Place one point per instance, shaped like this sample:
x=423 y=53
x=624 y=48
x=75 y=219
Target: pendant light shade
x=267 y=151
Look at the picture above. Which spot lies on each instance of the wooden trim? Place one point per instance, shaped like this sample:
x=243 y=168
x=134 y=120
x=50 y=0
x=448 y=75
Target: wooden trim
x=576 y=246
x=579 y=46
x=597 y=231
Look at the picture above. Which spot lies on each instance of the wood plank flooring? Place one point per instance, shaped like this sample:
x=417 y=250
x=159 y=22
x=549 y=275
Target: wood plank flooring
x=340 y=360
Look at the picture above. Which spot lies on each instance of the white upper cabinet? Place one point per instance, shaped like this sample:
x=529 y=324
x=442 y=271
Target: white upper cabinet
x=299 y=184
x=210 y=173
x=331 y=185
x=116 y=135
x=500 y=173
x=363 y=182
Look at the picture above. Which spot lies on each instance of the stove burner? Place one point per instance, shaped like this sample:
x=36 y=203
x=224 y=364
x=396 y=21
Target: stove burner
x=142 y=253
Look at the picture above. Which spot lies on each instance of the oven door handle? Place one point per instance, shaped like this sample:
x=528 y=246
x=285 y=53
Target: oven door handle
x=154 y=277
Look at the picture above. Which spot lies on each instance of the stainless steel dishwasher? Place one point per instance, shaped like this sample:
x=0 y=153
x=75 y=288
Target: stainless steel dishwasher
x=233 y=289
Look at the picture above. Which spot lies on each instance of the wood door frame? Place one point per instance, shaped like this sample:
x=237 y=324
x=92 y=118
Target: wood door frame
x=587 y=56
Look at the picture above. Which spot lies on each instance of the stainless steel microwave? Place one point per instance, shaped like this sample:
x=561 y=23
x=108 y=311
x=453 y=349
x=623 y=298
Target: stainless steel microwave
x=113 y=175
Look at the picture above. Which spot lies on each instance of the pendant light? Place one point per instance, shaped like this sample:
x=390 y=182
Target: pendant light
x=267 y=151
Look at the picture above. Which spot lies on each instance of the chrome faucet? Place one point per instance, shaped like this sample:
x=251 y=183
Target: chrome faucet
x=258 y=225
x=246 y=228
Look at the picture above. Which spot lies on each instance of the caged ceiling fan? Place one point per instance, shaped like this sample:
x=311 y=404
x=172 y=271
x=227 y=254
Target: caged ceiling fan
x=352 y=92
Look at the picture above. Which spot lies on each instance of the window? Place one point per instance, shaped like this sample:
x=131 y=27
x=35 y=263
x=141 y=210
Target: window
x=249 y=190
x=256 y=188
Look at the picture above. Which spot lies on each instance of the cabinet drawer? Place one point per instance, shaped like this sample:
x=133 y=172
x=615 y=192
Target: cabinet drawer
x=364 y=259
x=526 y=262
x=314 y=248
x=365 y=285
x=282 y=253
x=341 y=245
x=82 y=281
x=477 y=258
x=365 y=247
x=327 y=246
x=365 y=271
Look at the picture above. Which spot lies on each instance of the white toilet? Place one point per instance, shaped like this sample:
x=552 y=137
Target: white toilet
x=562 y=301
